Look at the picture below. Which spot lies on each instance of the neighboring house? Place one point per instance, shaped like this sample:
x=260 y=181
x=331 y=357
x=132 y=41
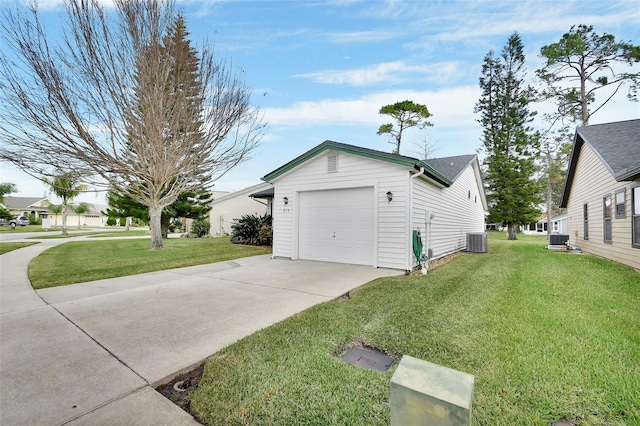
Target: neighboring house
x=559 y=224
x=94 y=218
x=347 y=204
x=226 y=209
x=25 y=206
x=540 y=227
x=602 y=191
x=41 y=208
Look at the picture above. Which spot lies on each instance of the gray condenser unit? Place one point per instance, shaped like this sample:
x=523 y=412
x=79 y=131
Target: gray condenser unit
x=477 y=242
x=558 y=239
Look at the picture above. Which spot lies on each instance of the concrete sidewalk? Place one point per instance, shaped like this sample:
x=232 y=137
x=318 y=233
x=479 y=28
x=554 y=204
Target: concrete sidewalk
x=92 y=353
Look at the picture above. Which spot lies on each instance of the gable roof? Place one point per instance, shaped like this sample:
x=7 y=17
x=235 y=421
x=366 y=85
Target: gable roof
x=409 y=162
x=246 y=191
x=451 y=167
x=21 y=203
x=616 y=144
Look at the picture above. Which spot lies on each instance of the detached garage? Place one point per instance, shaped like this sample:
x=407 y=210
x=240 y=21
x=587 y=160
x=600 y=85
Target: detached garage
x=347 y=204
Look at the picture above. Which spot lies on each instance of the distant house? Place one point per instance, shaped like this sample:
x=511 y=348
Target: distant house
x=559 y=224
x=231 y=206
x=25 y=206
x=41 y=209
x=94 y=218
x=540 y=227
x=602 y=191
x=347 y=204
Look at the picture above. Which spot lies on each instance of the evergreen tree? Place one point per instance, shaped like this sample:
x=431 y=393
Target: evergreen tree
x=583 y=64
x=407 y=114
x=189 y=205
x=182 y=131
x=508 y=141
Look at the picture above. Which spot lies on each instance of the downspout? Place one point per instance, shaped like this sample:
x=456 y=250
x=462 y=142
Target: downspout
x=410 y=233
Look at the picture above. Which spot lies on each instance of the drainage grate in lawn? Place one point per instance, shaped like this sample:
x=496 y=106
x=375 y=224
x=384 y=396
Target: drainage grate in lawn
x=368 y=358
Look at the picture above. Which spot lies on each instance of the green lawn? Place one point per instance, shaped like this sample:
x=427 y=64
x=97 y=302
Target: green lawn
x=10 y=246
x=91 y=234
x=82 y=261
x=547 y=336
x=28 y=228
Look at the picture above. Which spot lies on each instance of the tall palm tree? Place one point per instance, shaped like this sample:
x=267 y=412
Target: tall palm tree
x=80 y=209
x=67 y=187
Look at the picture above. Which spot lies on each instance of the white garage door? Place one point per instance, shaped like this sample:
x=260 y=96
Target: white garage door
x=336 y=225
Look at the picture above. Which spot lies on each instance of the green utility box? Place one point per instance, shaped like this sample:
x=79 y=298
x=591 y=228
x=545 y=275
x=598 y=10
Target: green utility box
x=423 y=393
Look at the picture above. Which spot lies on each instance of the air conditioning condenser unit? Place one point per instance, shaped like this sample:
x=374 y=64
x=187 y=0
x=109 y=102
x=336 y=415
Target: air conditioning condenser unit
x=477 y=242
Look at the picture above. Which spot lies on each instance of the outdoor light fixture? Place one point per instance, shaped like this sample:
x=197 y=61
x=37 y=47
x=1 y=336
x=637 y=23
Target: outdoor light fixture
x=389 y=196
x=286 y=201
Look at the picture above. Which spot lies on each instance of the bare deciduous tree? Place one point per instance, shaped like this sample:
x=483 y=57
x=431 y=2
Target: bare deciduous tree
x=107 y=103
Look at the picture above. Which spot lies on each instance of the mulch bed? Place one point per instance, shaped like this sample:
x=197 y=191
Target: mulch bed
x=187 y=383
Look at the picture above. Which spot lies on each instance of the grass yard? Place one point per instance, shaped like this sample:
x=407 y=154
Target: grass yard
x=82 y=261
x=18 y=229
x=547 y=336
x=91 y=234
x=10 y=246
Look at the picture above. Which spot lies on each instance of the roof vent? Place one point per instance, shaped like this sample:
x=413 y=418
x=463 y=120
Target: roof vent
x=332 y=164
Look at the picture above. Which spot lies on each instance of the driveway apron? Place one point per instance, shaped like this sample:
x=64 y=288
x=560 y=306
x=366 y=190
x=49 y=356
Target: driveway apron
x=92 y=353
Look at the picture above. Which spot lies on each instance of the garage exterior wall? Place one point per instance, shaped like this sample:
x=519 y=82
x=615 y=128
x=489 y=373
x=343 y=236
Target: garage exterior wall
x=353 y=171
x=591 y=182
x=457 y=211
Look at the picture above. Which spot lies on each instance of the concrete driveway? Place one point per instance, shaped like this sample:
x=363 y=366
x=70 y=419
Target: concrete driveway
x=92 y=353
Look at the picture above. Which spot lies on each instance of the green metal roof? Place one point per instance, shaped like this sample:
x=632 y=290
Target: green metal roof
x=401 y=160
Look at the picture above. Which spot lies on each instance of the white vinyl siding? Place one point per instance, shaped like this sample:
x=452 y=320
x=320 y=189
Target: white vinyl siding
x=455 y=213
x=228 y=207
x=390 y=219
x=591 y=182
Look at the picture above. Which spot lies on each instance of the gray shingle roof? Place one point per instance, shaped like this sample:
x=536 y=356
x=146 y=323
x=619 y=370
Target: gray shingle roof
x=451 y=167
x=22 y=203
x=265 y=193
x=618 y=146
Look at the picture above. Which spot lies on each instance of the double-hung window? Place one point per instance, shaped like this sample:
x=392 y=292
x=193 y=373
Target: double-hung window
x=585 y=218
x=620 y=204
x=635 y=216
x=606 y=205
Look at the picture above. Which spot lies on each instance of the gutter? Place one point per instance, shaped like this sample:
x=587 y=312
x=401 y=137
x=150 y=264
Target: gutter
x=410 y=226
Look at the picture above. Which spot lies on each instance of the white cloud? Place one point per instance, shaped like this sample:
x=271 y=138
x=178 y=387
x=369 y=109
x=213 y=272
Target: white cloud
x=452 y=107
x=359 y=36
x=388 y=72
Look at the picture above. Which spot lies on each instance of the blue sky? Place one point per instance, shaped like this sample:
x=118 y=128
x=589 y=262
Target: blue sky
x=322 y=69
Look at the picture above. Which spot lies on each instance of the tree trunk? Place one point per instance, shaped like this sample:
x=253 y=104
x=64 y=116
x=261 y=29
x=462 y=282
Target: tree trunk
x=549 y=193
x=511 y=231
x=64 y=218
x=127 y=223
x=155 y=213
x=164 y=225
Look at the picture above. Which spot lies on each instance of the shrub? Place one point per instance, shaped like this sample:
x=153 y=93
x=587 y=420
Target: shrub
x=175 y=225
x=200 y=228
x=252 y=230
x=33 y=220
x=111 y=221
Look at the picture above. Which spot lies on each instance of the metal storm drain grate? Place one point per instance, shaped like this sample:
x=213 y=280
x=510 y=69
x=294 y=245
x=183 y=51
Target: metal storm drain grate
x=367 y=358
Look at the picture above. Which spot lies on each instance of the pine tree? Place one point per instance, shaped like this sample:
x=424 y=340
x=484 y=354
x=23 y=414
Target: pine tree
x=508 y=141
x=167 y=96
